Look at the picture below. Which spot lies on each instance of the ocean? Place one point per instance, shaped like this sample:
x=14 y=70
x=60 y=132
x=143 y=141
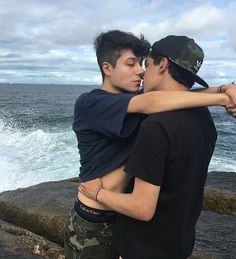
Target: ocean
x=37 y=143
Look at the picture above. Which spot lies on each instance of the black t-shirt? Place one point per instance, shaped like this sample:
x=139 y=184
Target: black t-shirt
x=173 y=150
x=104 y=130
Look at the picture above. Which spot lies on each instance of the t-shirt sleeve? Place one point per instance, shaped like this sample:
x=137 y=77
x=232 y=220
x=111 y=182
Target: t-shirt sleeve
x=148 y=158
x=107 y=114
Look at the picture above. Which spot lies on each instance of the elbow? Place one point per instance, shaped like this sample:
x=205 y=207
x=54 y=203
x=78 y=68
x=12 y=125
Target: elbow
x=144 y=210
x=146 y=215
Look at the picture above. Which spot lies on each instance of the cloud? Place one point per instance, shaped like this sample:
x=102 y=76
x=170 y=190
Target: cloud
x=53 y=39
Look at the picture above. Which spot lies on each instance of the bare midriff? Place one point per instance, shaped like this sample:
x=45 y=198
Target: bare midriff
x=115 y=181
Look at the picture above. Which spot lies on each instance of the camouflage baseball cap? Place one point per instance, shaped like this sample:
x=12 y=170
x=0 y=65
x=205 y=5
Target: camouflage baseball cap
x=182 y=51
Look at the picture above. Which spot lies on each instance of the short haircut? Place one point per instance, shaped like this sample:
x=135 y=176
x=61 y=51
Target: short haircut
x=177 y=72
x=110 y=45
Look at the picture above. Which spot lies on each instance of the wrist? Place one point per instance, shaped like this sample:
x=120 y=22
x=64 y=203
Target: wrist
x=224 y=99
x=97 y=192
x=220 y=89
x=224 y=88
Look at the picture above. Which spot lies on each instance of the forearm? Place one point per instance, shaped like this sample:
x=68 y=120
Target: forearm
x=172 y=100
x=209 y=90
x=215 y=89
x=125 y=204
x=140 y=204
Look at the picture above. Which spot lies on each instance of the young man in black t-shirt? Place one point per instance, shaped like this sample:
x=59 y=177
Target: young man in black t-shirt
x=169 y=163
x=106 y=123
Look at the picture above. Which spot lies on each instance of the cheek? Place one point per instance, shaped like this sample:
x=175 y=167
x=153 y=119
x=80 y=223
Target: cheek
x=147 y=78
x=121 y=79
x=149 y=81
x=122 y=74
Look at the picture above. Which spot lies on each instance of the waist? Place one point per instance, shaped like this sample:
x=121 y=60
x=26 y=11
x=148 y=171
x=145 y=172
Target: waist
x=93 y=214
x=90 y=203
x=115 y=181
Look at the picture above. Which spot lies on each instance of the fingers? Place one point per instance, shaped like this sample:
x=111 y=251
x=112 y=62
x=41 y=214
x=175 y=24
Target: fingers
x=89 y=188
x=82 y=188
x=84 y=191
x=231 y=106
x=231 y=93
x=231 y=111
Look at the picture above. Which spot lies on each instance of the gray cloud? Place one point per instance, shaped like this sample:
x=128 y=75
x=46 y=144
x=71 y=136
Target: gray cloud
x=53 y=39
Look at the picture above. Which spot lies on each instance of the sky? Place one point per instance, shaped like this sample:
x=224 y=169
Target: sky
x=51 y=41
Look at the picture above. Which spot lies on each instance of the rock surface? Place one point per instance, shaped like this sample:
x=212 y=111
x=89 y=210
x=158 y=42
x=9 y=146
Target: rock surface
x=216 y=233
x=16 y=242
x=40 y=211
x=222 y=180
x=40 y=208
x=220 y=193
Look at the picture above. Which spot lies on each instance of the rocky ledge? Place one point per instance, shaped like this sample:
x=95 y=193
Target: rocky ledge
x=32 y=219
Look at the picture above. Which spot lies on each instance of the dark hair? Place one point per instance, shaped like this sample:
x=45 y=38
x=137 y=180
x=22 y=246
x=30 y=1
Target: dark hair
x=178 y=73
x=110 y=45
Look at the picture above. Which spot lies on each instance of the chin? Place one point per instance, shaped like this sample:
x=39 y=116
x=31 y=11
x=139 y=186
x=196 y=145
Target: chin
x=133 y=89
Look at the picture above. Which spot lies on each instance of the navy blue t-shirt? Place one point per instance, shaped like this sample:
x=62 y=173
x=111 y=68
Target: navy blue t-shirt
x=105 y=131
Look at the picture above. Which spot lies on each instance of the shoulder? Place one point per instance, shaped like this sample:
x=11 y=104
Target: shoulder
x=162 y=117
x=94 y=92
x=100 y=95
x=151 y=125
x=84 y=98
x=178 y=114
x=179 y=118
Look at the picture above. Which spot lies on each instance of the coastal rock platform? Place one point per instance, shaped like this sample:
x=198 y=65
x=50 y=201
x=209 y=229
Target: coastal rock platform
x=16 y=242
x=32 y=219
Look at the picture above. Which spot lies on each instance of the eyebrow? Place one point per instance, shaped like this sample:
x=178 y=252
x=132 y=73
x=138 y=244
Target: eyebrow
x=132 y=59
x=139 y=59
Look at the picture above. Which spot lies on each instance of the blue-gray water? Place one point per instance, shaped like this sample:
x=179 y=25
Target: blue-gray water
x=38 y=144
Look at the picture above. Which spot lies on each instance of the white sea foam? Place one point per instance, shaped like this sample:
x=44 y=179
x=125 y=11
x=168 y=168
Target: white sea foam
x=31 y=157
x=222 y=164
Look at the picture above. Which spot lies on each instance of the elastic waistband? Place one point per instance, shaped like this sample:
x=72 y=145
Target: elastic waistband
x=94 y=215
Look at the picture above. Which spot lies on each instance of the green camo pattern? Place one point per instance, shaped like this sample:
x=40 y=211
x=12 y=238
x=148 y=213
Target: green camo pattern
x=191 y=57
x=85 y=239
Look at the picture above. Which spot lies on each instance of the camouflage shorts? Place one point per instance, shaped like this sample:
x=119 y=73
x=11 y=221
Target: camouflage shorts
x=84 y=239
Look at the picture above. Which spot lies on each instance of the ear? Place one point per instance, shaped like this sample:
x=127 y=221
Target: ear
x=107 y=68
x=164 y=64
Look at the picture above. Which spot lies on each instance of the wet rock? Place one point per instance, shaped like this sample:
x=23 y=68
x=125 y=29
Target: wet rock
x=16 y=242
x=204 y=255
x=220 y=193
x=222 y=180
x=220 y=201
x=216 y=234
x=42 y=208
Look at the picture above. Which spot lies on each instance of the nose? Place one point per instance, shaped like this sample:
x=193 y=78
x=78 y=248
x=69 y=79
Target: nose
x=140 y=71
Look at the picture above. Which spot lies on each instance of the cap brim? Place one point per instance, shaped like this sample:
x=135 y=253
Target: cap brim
x=197 y=78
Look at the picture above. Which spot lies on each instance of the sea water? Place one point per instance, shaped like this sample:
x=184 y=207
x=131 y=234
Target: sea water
x=37 y=143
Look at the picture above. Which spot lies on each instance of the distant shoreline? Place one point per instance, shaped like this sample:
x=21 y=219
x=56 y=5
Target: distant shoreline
x=56 y=84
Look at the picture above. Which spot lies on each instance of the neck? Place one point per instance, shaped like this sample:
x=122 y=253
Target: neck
x=170 y=84
x=109 y=87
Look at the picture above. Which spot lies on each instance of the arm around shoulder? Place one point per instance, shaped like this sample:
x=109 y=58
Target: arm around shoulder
x=160 y=101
